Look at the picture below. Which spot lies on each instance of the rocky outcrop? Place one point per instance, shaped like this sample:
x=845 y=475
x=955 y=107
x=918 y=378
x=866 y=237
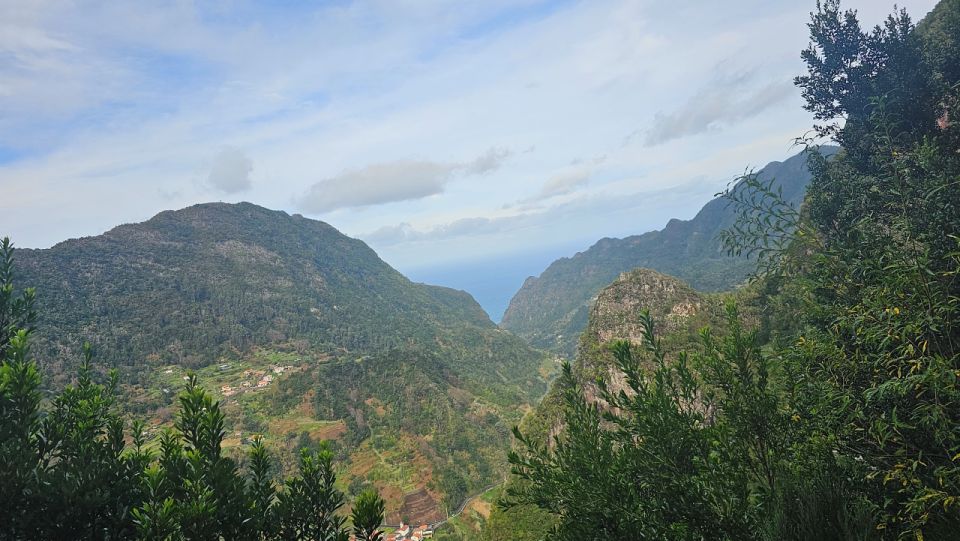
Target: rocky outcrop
x=678 y=312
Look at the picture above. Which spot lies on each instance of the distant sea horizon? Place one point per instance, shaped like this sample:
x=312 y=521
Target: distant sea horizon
x=494 y=281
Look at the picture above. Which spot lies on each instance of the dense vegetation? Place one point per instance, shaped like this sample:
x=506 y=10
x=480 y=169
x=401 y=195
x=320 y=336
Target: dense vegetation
x=550 y=311
x=215 y=279
x=834 y=413
x=68 y=471
x=414 y=385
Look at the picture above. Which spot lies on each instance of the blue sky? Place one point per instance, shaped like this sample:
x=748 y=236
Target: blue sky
x=443 y=133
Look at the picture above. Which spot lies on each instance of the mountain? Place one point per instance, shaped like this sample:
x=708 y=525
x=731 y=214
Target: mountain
x=305 y=334
x=551 y=310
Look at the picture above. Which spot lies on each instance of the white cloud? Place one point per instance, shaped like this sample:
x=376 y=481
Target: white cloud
x=464 y=227
x=231 y=171
x=376 y=184
x=561 y=184
x=563 y=214
x=391 y=182
x=720 y=103
x=489 y=161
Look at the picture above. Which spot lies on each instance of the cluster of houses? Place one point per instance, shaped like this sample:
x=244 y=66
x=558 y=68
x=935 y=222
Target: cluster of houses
x=253 y=379
x=407 y=533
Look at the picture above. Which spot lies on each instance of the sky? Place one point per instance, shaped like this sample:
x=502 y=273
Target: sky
x=451 y=136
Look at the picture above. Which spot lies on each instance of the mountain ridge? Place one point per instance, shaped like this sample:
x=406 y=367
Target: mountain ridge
x=550 y=310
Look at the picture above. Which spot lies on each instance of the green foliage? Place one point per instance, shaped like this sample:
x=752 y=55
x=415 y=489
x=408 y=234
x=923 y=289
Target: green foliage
x=307 y=507
x=687 y=449
x=367 y=516
x=261 y=489
x=767 y=225
x=886 y=215
x=518 y=523
x=16 y=312
x=68 y=472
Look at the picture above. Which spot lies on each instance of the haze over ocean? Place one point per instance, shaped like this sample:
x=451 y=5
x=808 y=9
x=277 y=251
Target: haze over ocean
x=492 y=282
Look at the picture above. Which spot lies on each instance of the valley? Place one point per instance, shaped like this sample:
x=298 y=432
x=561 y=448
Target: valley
x=782 y=366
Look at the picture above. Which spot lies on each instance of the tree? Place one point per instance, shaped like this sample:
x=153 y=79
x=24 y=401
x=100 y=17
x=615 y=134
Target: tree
x=307 y=507
x=20 y=417
x=262 y=491
x=367 y=516
x=17 y=313
x=666 y=455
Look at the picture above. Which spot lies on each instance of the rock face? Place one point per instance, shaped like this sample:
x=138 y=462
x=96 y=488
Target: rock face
x=551 y=310
x=669 y=300
x=678 y=312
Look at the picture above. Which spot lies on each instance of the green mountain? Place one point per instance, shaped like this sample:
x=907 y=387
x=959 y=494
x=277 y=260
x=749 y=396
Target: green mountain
x=551 y=310
x=305 y=333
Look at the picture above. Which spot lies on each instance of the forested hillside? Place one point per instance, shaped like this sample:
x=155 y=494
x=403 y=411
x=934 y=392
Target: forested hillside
x=550 y=311
x=304 y=333
x=826 y=404
x=218 y=278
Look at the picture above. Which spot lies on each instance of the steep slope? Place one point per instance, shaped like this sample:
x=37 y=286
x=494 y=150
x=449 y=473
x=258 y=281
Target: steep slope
x=305 y=333
x=551 y=310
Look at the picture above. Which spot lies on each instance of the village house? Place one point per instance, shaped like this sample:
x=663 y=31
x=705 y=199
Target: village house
x=404 y=533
